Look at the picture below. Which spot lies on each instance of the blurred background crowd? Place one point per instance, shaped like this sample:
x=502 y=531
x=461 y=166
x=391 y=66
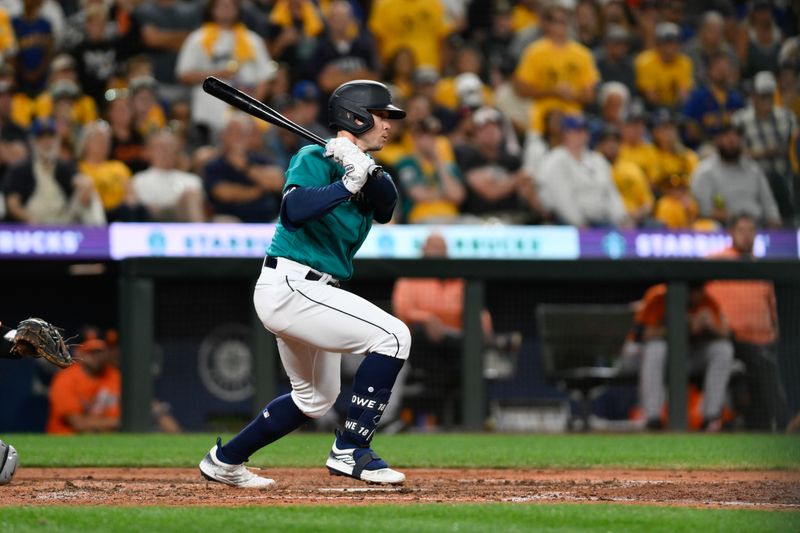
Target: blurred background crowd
x=592 y=113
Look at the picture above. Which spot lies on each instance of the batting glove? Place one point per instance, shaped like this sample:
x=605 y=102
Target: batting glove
x=358 y=165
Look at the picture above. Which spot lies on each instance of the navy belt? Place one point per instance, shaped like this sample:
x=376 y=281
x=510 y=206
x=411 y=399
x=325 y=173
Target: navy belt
x=272 y=262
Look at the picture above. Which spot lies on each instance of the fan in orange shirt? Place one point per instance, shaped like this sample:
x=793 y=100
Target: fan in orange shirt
x=433 y=310
x=750 y=308
x=85 y=398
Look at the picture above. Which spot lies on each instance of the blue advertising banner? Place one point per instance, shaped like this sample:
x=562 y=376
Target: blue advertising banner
x=120 y=241
x=53 y=242
x=664 y=244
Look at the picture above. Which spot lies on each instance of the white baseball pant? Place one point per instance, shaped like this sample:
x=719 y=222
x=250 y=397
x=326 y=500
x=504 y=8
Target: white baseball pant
x=315 y=323
x=714 y=357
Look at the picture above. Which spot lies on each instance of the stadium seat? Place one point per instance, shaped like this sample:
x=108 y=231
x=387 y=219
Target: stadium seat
x=580 y=344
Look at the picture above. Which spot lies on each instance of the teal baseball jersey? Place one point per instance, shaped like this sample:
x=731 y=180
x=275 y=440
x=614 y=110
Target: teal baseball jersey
x=327 y=244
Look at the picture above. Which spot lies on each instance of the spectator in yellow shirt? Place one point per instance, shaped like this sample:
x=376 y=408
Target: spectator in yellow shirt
x=111 y=178
x=635 y=147
x=555 y=71
x=416 y=24
x=630 y=180
x=677 y=208
x=672 y=157
x=663 y=73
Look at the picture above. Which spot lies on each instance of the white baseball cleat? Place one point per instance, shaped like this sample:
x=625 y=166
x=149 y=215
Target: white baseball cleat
x=363 y=464
x=234 y=475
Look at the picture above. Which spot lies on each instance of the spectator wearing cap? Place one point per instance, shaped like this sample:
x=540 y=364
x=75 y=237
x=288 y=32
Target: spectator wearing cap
x=458 y=90
x=305 y=109
x=44 y=190
x=712 y=104
x=730 y=183
x=97 y=53
x=111 y=178
x=612 y=102
x=431 y=187
x=63 y=84
x=169 y=194
x=555 y=71
x=614 y=61
x=345 y=52
x=419 y=25
x=164 y=26
x=635 y=146
x=672 y=157
x=223 y=47
x=576 y=183
x=34 y=35
x=85 y=398
x=241 y=185
x=760 y=44
x=707 y=45
x=631 y=183
x=497 y=184
x=664 y=73
x=768 y=130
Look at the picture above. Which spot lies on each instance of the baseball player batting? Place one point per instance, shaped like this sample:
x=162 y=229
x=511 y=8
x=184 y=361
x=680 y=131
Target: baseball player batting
x=330 y=199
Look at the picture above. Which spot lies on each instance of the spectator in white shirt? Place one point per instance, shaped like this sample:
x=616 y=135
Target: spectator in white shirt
x=225 y=48
x=170 y=195
x=576 y=182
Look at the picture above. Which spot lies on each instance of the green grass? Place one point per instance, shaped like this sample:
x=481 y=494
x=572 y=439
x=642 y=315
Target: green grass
x=417 y=518
x=678 y=451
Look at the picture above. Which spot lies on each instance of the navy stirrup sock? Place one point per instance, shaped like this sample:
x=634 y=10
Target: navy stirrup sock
x=372 y=388
x=279 y=418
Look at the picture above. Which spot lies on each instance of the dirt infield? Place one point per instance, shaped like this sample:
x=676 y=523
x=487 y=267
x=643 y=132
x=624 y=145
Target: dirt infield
x=778 y=490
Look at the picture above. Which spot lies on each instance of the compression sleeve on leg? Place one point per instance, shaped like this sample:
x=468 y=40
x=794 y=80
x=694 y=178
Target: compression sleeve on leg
x=303 y=204
x=382 y=194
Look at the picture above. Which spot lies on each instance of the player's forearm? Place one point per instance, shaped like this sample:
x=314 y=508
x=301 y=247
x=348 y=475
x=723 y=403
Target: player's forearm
x=304 y=204
x=382 y=194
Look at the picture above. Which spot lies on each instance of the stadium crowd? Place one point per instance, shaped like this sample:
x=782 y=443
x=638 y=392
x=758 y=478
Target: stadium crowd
x=624 y=113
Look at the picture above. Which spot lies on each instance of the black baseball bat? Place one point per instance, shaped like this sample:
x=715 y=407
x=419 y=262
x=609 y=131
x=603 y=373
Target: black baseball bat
x=244 y=102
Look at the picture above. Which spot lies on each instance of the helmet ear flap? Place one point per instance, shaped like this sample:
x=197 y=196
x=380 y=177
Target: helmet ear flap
x=350 y=117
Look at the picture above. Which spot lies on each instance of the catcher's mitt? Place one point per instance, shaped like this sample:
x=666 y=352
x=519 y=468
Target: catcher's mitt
x=38 y=338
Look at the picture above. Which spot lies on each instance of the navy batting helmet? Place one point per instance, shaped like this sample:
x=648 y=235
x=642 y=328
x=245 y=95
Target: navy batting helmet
x=351 y=105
